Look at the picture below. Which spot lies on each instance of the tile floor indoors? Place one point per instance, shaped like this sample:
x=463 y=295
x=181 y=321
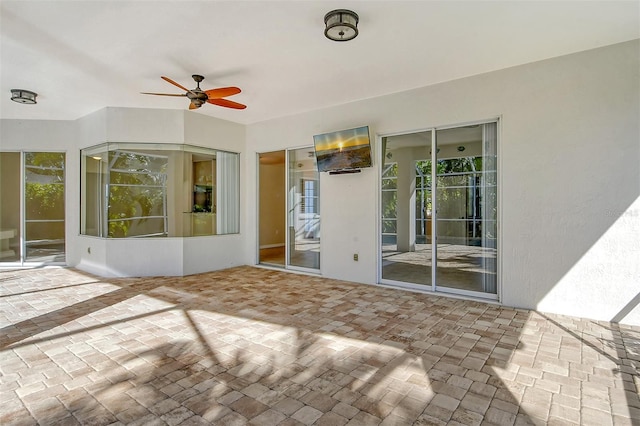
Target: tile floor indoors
x=256 y=346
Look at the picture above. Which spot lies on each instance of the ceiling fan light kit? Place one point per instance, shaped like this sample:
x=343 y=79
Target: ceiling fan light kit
x=199 y=97
x=23 y=96
x=341 y=25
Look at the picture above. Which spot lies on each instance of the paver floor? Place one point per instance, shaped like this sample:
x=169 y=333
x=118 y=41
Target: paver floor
x=256 y=346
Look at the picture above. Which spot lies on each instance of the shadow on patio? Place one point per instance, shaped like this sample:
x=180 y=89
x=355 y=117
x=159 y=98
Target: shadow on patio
x=268 y=347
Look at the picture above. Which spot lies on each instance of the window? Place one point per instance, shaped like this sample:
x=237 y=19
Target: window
x=389 y=198
x=136 y=194
x=158 y=190
x=423 y=201
x=309 y=199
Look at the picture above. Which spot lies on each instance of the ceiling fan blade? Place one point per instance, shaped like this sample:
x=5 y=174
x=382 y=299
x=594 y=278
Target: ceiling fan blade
x=222 y=92
x=163 y=94
x=193 y=106
x=226 y=103
x=168 y=80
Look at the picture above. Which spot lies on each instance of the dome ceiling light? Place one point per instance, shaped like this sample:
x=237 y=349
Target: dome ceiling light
x=341 y=25
x=23 y=96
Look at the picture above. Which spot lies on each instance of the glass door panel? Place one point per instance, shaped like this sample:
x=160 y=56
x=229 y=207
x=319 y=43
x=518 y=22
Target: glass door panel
x=303 y=216
x=44 y=206
x=449 y=191
x=466 y=204
x=10 y=211
x=406 y=204
x=271 y=208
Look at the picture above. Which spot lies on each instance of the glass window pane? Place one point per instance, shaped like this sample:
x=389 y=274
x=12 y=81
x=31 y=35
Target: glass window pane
x=189 y=190
x=466 y=210
x=304 y=210
x=389 y=226
x=390 y=170
x=44 y=202
x=389 y=202
x=134 y=201
x=45 y=241
x=389 y=184
x=93 y=184
x=405 y=248
x=148 y=178
x=151 y=227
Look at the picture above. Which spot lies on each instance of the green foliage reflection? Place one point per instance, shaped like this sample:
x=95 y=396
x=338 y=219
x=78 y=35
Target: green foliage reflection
x=136 y=192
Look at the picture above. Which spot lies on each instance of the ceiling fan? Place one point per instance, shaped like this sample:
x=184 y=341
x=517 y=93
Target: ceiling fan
x=198 y=96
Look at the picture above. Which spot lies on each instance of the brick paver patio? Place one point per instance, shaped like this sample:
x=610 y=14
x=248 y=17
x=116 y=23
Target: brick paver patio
x=256 y=346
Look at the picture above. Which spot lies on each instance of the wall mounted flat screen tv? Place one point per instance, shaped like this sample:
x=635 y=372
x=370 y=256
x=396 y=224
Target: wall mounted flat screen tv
x=344 y=151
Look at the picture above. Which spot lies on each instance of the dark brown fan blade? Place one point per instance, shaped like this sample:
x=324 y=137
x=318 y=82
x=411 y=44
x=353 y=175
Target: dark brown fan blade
x=168 y=80
x=163 y=94
x=226 y=103
x=222 y=92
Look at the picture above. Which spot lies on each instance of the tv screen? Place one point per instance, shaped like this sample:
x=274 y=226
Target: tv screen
x=343 y=150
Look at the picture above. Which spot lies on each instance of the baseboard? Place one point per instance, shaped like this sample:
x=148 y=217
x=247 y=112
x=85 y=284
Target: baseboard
x=268 y=246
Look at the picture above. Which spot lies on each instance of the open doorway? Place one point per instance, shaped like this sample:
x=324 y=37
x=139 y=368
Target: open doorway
x=289 y=210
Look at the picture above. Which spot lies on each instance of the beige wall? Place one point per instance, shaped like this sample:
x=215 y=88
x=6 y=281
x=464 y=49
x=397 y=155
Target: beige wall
x=272 y=205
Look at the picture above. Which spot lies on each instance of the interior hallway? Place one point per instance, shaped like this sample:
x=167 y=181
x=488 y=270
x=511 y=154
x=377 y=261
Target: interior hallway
x=256 y=346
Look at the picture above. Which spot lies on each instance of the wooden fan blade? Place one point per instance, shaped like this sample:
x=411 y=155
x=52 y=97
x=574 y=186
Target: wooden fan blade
x=222 y=92
x=226 y=103
x=193 y=106
x=163 y=94
x=168 y=80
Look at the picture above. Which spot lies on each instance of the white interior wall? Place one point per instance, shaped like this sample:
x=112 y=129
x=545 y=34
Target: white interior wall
x=569 y=175
x=143 y=125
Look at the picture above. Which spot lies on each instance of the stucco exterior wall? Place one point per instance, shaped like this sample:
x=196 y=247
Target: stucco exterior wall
x=569 y=168
x=569 y=173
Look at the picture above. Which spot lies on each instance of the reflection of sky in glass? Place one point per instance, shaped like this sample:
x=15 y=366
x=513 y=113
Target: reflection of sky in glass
x=342 y=139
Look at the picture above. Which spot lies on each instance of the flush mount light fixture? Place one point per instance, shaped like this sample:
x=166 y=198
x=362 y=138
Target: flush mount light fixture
x=341 y=25
x=23 y=96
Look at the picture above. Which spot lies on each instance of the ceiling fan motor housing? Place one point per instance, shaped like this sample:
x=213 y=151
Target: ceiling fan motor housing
x=197 y=96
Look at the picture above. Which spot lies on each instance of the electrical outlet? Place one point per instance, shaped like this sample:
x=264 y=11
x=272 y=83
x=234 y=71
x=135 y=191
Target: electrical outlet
x=355 y=257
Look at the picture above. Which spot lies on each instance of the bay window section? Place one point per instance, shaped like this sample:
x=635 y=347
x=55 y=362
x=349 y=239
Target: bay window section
x=133 y=190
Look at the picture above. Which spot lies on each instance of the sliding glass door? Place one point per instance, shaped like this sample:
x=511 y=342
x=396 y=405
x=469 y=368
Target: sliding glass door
x=289 y=210
x=32 y=218
x=407 y=209
x=462 y=173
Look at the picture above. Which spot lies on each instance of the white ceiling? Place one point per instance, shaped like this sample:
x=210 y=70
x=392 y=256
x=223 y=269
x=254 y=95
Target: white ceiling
x=81 y=56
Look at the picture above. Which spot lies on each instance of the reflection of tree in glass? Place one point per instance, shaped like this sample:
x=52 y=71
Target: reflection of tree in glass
x=44 y=188
x=136 y=190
